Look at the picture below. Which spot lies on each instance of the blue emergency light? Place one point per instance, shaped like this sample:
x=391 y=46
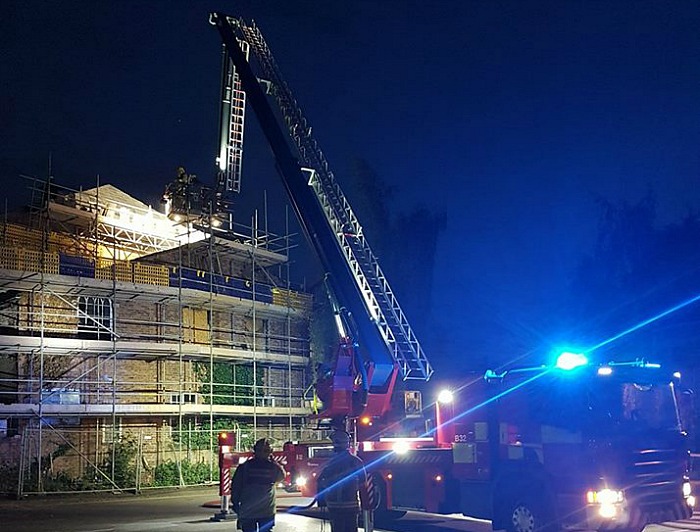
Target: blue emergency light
x=568 y=361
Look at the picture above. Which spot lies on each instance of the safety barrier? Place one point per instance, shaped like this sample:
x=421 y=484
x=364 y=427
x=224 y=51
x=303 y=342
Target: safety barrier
x=28 y=260
x=220 y=284
x=19 y=236
x=17 y=258
x=36 y=261
x=76 y=266
x=290 y=298
x=154 y=274
x=114 y=270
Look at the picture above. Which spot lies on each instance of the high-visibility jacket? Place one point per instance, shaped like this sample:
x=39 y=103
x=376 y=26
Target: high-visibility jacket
x=253 y=488
x=343 y=482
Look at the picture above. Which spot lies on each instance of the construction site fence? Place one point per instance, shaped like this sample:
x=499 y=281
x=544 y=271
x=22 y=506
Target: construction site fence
x=107 y=457
x=145 y=273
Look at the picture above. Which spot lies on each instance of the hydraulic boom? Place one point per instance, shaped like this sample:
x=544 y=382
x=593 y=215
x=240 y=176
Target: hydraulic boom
x=381 y=343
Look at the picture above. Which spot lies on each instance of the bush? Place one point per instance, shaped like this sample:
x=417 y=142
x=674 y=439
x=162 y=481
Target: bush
x=167 y=474
x=9 y=474
x=120 y=456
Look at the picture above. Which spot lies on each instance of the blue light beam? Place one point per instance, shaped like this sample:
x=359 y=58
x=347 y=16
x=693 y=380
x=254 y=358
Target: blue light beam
x=645 y=323
x=488 y=401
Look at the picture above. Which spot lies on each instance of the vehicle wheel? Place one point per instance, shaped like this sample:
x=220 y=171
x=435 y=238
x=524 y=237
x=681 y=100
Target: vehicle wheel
x=524 y=514
x=382 y=513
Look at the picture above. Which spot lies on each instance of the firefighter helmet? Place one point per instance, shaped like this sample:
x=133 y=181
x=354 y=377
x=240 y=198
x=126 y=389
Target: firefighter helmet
x=340 y=439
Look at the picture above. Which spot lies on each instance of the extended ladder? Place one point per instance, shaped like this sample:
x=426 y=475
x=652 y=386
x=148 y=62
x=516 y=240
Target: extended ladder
x=231 y=126
x=379 y=298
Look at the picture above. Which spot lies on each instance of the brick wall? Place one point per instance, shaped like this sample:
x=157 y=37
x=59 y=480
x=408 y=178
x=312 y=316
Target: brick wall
x=137 y=319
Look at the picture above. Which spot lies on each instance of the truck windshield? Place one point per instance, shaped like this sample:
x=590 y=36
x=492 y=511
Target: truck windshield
x=633 y=406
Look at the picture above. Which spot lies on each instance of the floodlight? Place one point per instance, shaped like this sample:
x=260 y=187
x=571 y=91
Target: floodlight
x=445 y=397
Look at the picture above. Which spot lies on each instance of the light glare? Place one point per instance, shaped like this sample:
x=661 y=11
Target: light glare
x=607 y=511
x=445 y=397
x=687 y=489
x=401 y=447
x=604 y=496
x=568 y=361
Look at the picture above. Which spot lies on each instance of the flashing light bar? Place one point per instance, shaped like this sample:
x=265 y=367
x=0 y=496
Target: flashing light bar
x=568 y=361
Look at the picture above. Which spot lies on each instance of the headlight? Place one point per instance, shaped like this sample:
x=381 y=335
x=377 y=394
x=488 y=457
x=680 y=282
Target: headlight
x=401 y=447
x=687 y=489
x=607 y=501
x=604 y=496
x=301 y=481
x=688 y=494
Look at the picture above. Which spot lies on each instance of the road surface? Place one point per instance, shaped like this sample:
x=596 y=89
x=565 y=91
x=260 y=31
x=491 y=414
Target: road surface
x=190 y=510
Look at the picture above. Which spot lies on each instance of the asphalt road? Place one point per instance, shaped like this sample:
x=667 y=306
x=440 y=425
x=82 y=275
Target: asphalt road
x=187 y=510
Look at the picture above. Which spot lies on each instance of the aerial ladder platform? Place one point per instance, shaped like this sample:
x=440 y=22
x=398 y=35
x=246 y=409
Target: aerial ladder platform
x=380 y=328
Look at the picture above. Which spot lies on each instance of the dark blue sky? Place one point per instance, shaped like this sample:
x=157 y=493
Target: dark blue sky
x=511 y=117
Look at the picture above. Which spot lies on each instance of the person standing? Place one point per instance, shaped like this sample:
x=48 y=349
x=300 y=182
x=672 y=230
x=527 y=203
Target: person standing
x=253 y=489
x=342 y=485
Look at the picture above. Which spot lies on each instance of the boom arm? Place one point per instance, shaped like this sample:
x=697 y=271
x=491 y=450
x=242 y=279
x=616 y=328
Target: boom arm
x=383 y=335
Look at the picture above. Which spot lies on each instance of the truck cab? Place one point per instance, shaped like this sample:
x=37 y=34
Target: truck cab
x=594 y=447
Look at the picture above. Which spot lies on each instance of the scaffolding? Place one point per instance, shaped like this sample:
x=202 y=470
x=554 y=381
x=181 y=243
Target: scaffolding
x=124 y=334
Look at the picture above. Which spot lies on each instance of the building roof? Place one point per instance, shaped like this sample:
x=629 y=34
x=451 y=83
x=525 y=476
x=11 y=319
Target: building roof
x=109 y=194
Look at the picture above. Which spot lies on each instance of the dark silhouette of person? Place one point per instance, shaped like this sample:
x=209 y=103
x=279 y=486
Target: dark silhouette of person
x=342 y=485
x=253 y=489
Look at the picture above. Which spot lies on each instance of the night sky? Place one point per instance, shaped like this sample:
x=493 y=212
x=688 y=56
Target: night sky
x=509 y=117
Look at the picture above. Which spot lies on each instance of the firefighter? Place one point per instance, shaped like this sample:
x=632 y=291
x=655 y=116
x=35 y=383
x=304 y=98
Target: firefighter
x=253 y=489
x=342 y=485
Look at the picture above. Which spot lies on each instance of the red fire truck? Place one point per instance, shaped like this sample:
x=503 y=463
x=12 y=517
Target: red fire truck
x=575 y=445
x=594 y=447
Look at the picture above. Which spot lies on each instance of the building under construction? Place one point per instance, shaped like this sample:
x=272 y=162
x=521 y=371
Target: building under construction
x=130 y=338
x=128 y=341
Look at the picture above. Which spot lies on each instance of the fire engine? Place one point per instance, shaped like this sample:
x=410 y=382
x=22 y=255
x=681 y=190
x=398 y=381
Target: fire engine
x=575 y=445
x=595 y=447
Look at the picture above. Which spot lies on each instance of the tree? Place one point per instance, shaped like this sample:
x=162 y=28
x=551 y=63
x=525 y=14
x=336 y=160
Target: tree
x=404 y=240
x=626 y=289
